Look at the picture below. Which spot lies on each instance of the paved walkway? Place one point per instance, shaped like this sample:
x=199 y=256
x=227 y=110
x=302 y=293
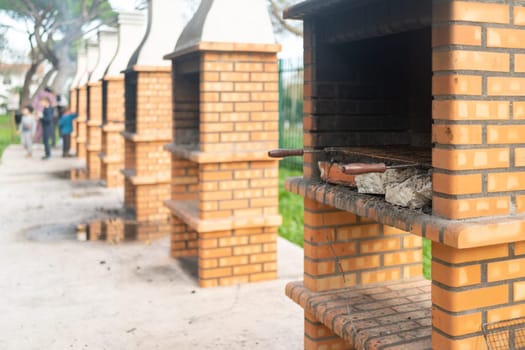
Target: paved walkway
x=60 y=293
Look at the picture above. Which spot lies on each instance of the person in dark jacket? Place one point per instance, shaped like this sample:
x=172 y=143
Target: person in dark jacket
x=65 y=125
x=47 y=125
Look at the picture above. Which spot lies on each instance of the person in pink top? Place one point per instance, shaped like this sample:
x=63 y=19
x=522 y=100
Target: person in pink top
x=46 y=93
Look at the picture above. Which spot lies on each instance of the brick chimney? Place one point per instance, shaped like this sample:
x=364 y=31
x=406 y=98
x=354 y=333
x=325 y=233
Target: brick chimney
x=107 y=43
x=83 y=98
x=74 y=95
x=224 y=191
x=148 y=116
x=131 y=26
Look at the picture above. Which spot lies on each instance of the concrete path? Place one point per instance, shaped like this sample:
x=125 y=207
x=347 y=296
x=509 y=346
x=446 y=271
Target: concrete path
x=60 y=293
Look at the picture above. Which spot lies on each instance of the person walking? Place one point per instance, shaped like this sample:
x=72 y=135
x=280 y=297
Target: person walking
x=27 y=129
x=47 y=125
x=65 y=125
x=47 y=92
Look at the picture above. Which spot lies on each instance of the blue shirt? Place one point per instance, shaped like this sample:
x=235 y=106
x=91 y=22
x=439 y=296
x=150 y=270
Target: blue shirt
x=66 y=123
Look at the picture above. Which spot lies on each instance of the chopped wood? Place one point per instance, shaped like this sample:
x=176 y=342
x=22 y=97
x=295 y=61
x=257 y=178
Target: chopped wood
x=414 y=193
x=333 y=174
x=376 y=183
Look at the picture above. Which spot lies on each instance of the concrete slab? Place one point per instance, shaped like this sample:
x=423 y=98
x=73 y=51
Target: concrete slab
x=60 y=293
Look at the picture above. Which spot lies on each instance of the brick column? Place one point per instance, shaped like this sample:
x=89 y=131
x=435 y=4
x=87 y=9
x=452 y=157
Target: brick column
x=478 y=115
x=130 y=32
x=148 y=128
x=112 y=152
x=224 y=192
x=73 y=105
x=93 y=133
x=81 y=127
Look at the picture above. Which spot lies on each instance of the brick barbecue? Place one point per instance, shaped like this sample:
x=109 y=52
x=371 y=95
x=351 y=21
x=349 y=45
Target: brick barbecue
x=148 y=117
x=131 y=27
x=445 y=78
x=83 y=99
x=107 y=44
x=73 y=93
x=225 y=96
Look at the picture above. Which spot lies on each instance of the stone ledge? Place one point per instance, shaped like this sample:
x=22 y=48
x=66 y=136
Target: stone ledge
x=190 y=153
x=138 y=68
x=160 y=137
x=81 y=140
x=81 y=119
x=144 y=180
x=93 y=148
x=459 y=234
x=92 y=123
x=388 y=315
x=225 y=47
x=114 y=78
x=95 y=83
x=110 y=159
x=113 y=127
x=188 y=211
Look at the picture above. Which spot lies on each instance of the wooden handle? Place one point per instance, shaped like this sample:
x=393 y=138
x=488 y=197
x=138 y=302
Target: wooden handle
x=363 y=168
x=282 y=153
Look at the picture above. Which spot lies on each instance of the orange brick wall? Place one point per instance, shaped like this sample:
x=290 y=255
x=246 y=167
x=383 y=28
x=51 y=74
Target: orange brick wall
x=474 y=286
x=239 y=101
x=115 y=100
x=228 y=107
x=73 y=105
x=94 y=134
x=477 y=87
x=367 y=252
x=142 y=201
x=238 y=189
x=154 y=111
x=146 y=161
x=237 y=256
x=73 y=100
x=112 y=142
x=81 y=123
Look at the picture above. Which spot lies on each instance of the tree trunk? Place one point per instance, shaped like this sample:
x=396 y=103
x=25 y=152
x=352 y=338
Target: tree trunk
x=25 y=97
x=65 y=71
x=44 y=82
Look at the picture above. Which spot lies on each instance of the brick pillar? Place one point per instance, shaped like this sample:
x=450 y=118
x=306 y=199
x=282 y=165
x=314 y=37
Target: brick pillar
x=81 y=127
x=73 y=105
x=474 y=286
x=318 y=337
x=224 y=192
x=93 y=134
x=478 y=116
x=148 y=128
x=112 y=152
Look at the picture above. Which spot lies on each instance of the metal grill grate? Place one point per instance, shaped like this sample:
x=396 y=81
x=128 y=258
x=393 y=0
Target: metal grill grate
x=505 y=335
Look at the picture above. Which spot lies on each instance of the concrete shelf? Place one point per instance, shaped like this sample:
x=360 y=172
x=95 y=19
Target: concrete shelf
x=192 y=153
x=188 y=211
x=459 y=234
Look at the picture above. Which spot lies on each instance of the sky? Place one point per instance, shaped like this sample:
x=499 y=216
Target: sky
x=291 y=45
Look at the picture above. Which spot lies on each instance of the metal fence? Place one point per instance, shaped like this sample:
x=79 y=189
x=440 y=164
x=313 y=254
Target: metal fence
x=291 y=109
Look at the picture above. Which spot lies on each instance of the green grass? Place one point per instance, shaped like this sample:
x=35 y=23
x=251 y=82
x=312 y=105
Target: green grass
x=427 y=258
x=291 y=208
x=6 y=135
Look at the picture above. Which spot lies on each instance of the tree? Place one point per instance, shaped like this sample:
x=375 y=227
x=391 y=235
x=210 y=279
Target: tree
x=280 y=24
x=54 y=29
